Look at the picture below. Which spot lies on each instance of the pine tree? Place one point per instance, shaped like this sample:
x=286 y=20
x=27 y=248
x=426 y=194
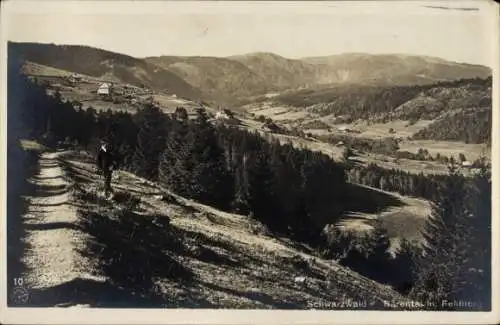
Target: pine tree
x=210 y=173
x=173 y=170
x=477 y=278
x=150 y=142
x=260 y=190
x=240 y=202
x=441 y=270
x=405 y=266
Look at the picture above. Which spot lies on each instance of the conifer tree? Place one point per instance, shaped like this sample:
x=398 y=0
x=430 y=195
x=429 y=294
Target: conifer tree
x=210 y=173
x=173 y=170
x=240 y=202
x=477 y=279
x=150 y=142
x=260 y=191
x=441 y=269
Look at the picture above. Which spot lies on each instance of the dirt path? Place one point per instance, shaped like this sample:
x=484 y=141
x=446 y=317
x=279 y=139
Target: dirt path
x=54 y=240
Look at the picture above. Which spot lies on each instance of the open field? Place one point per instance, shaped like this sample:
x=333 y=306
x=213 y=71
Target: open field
x=404 y=221
x=401 y=129
x=32 y=68
x=447 y=148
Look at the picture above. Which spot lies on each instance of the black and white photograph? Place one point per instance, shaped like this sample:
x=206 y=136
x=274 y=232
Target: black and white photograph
x=249 y=157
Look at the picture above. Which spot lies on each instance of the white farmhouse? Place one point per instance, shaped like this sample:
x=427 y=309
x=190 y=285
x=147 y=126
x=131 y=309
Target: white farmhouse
x=104 y=89
x=221 y=116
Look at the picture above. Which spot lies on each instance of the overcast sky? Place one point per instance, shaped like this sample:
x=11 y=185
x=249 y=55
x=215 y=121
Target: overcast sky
x=292 y=30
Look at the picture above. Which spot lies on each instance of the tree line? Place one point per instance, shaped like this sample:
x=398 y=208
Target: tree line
x=399 y=181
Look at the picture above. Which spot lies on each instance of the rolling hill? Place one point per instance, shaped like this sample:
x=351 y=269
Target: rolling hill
x=104 y=64
x=395 y=68
x=261 y=72
x=217 y=77
x=281 y=72
x=235 y=77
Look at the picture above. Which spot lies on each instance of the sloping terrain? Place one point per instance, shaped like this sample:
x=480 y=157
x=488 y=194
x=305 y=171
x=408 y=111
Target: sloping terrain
x=151 y=248
x=402 y=221
x=219 y=78
x=236 y=77
x=280 y=72
x=103 y=64
x=397 y=68
x=469 y=126
x=83 y=89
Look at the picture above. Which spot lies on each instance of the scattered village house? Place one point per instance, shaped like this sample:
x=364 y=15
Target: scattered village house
x=467 y=164
x=221 y=116
x=104 y=89
x=73 y=78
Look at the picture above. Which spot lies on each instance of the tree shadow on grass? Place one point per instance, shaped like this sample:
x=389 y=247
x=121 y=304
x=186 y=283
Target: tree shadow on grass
x=201 y=247
x=367 y=200
x=134 y=250
x=256 y=296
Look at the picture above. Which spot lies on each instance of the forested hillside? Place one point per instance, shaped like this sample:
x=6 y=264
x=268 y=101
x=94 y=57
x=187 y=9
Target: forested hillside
x=469 y=126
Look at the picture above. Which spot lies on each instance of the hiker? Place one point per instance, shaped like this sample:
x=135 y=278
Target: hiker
x=106 y=163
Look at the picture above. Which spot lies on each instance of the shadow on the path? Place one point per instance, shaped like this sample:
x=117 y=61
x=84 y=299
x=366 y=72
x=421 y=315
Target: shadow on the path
x=21 y=165
x=89 y=292
x=52 y=226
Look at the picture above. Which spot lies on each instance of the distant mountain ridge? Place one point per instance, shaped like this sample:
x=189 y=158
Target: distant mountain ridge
x=226 y=78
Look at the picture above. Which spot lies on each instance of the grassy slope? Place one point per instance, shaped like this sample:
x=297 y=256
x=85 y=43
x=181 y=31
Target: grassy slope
x=184 y=254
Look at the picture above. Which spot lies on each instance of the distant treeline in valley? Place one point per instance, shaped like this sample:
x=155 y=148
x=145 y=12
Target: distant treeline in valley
x=294 y=192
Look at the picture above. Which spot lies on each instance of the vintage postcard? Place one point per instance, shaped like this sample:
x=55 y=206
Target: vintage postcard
x=232 y=162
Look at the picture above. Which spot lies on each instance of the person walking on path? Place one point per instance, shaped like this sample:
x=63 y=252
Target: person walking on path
x=106 y=163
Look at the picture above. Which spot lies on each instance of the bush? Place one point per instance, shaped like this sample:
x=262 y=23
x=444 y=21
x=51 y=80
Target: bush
x=127 y=200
